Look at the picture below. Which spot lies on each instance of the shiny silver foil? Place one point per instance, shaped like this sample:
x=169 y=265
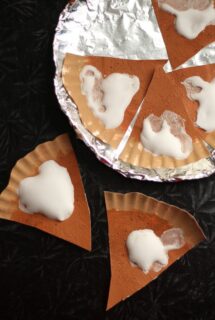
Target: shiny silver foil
x=117 y=28
x=124 y=29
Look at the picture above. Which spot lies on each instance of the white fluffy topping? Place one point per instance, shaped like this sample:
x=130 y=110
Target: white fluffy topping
x=164 y=142
x=189 y=23
x=50 y=193
x=108 y=97
x=147 y=250
x=206 y=98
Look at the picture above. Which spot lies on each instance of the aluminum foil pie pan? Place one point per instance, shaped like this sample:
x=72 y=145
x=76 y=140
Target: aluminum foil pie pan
x=122 y=29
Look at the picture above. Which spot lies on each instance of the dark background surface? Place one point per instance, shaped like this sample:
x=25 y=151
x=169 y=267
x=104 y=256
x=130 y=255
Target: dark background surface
x=42 y=277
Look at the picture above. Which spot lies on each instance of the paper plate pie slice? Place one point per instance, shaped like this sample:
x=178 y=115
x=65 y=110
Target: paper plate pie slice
x=180 y=48
x=198 y=85
x=107 y=92
x=77 y=228
x=163 y=135
x=134 y=211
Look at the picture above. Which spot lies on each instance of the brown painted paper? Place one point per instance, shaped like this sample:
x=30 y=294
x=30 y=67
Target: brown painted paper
x=207 y=73
x=162 y=95
x=133 y=211
x=77 y=228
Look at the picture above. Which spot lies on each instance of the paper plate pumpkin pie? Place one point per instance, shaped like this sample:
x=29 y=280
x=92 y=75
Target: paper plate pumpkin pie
x=107 y=92
x=163 y=135
x=186 y=26
x=45 y=191
x=146 y=236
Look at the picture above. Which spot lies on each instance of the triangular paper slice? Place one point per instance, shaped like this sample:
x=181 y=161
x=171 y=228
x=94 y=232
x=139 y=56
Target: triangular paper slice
x=77 y=228
x=133 y=211
x=71 y=79
x=207 y=73
x=162 y=94
x=179 y=48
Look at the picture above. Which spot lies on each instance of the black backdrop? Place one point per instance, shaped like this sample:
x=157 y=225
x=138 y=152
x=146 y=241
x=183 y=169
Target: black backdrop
x=42 y=277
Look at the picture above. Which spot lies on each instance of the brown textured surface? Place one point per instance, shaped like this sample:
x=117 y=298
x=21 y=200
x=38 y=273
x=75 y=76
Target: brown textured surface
x=133 y=211
x=207 y=73
x=70 y=74
x=75 y=229
x=162 y=95
x=179 y=48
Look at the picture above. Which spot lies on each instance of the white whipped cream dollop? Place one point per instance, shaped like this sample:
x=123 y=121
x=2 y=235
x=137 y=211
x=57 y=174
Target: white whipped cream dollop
x=205 y=95
x=191 y=22
x=163 y=141
x=108 y=97
x=146 y=250
x=50 y=193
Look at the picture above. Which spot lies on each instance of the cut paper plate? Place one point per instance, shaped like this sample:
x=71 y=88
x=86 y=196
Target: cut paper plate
x=207 y=73
x=133 y=211
x=77 y=228
x=162 y=95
